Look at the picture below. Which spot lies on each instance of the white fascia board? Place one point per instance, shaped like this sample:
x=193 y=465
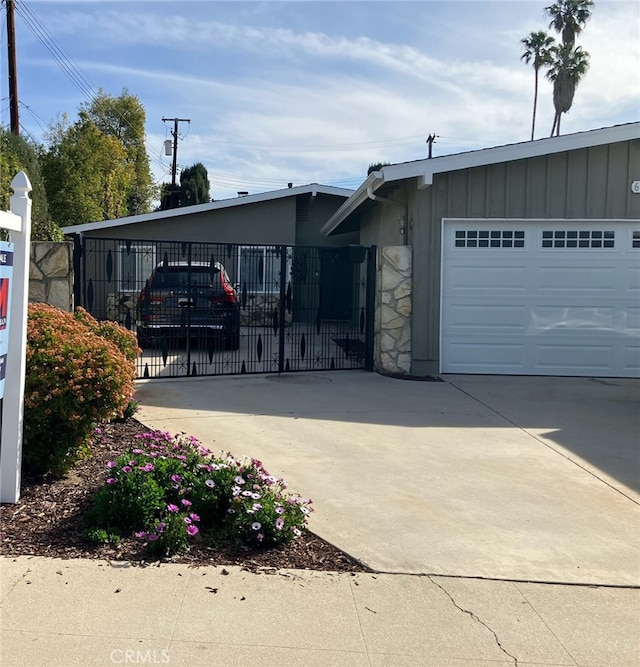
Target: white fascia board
x=374 y=180
x=313 y=188
x=424 y=170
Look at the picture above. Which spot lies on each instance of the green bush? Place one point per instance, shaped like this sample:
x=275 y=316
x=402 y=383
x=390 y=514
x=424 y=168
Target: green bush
x=75 y=378
x=168 y=489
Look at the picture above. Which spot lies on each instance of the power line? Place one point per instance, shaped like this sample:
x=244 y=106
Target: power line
x=319 y=148
x=66 y=64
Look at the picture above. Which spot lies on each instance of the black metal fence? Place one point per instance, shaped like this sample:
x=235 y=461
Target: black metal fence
x=225 y=309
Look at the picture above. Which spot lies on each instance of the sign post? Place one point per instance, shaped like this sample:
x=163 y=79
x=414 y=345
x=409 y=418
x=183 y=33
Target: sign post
x=6 y=271
x=14 y=301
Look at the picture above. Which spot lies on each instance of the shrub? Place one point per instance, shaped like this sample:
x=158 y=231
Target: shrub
x=75 y=377
x=168 y=489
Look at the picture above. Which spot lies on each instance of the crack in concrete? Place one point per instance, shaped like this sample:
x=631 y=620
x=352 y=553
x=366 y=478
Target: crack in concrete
x=477 y=619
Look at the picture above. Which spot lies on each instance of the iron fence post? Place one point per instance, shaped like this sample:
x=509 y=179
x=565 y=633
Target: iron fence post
x=370 y=308
x=281 y=305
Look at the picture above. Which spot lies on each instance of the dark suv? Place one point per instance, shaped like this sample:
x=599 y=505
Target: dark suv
x=189 y=300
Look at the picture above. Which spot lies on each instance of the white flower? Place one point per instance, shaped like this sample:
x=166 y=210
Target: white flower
x=256 y=525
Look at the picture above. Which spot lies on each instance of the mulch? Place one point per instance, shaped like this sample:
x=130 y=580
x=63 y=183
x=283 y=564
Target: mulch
x=48 y=521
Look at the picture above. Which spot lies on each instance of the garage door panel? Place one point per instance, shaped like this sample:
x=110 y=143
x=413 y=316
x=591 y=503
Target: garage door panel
x=500 y=317
x=572 y=319
x=585 y=358
x=580 y=278
x=480 y=277
x=507 y=357
x=546 y=307
x=631 y=360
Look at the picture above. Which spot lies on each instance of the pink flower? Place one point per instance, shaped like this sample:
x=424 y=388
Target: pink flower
x=185 y=502
x=192 y=530
x=194 y=517
x=172 y=508
x=111 y=464
x=280 y=523
x=111 y=480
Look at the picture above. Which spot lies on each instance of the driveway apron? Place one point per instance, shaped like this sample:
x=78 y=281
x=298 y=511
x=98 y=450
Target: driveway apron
x=532 y=479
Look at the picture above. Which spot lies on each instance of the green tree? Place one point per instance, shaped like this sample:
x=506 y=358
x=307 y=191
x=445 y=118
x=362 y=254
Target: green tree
x=538 y=53
x=375 y=166
x=17 y=154
x=124 y=118
x=87 y=174
x=567 y=70
x=570 y=63
x=568 y=18
x=194 y=185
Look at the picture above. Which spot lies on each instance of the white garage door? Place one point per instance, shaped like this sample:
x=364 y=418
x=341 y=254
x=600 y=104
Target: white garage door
x=551 y=297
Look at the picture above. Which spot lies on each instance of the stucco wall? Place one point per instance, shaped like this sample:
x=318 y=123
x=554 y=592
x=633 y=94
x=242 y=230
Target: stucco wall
x=51 y=274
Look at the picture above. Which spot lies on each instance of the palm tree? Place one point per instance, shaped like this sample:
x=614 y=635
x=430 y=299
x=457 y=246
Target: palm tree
x=566 y=71
x=538 y=47
x=568 y=17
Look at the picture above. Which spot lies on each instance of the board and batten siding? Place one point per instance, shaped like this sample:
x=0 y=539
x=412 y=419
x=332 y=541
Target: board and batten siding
x=591 y=183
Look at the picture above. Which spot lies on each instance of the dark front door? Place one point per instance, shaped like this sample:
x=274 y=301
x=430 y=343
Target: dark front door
x=336 y=284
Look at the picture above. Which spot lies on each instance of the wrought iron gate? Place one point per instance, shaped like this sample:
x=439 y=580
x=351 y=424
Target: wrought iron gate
x=225 y=309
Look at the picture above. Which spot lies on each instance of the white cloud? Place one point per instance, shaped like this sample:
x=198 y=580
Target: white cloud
x=308 y=97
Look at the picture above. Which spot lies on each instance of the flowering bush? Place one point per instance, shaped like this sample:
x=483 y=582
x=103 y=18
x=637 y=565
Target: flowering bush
x=75 y=377
x=168 y=489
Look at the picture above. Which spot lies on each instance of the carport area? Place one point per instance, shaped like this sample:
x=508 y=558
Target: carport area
x=519 y=478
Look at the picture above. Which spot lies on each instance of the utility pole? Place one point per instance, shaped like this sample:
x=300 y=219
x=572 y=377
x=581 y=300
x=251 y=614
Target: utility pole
x=14 y=116
x=431 y=140
x=174 y=196
x=174 y=134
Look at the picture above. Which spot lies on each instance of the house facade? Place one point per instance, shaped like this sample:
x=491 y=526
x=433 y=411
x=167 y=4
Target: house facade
x=521 y=259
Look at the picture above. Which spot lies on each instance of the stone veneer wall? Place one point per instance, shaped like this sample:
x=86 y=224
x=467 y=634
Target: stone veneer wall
x=393 y=310
x=51 y=274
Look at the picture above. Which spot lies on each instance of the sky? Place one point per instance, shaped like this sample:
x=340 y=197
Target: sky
x=313 y=91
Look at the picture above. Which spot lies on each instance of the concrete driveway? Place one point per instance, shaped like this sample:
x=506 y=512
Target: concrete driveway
x=520 y=478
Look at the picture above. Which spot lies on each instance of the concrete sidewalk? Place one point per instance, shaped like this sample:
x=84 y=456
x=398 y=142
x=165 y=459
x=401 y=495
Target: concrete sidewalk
x=58 y=613
x=531 y=479
x=519 y=480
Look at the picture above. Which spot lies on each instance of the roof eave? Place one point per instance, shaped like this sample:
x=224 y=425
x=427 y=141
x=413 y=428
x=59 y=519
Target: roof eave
x=373 y=181
x=314 y=189
x=424 y=170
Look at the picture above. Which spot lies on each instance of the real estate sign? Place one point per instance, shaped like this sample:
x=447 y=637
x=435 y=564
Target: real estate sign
x=6 y=272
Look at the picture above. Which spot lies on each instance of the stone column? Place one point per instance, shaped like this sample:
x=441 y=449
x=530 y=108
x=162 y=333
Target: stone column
x=393 y=310
x=51 y=274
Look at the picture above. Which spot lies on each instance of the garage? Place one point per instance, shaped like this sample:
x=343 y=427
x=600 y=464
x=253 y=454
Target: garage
x=540 y=297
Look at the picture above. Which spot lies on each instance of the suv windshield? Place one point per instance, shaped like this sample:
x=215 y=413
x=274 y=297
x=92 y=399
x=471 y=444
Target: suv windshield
x=181 y=276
